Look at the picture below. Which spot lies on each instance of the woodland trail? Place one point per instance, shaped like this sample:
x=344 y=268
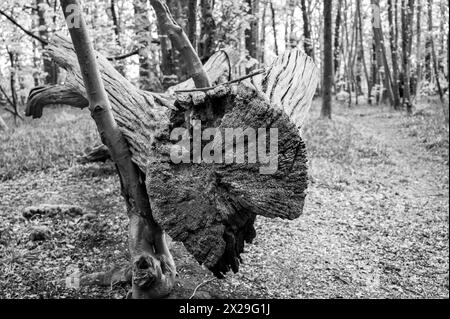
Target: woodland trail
x=375 y=223
x=376 y=220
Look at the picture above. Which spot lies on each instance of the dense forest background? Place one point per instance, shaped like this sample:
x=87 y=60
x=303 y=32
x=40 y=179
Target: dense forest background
x=389 y=51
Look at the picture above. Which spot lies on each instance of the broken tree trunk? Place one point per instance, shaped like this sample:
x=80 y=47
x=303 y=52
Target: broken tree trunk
x=218 y=66
x=211 y=208
x=42 y=96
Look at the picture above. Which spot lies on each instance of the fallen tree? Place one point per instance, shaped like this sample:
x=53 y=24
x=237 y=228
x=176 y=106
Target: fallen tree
x=210 y=207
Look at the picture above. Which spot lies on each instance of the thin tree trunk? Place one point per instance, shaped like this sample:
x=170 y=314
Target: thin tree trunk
x=336 y=37
x=206 y=43
x=308 y=42
x=117 y=31
x=262 y=36
x=293 y=41
x=346 y=54
x=148 y=80
x=12 y=82
x=116 y=27
x=361 y=42
x=418 y=48
x=394 y=56
x=433 y=53
x=170 y=76
x=327 y=59
x=179 y=39
x=351 y=61
x=274 y=27
x=192 y=22
x=49 y=67
x=380 y=49
x=406 y=51
x=252 y=34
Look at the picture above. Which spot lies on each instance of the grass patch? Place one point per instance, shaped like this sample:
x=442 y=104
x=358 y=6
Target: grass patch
x=55 y=140
x=427 y=125
x=338 y=141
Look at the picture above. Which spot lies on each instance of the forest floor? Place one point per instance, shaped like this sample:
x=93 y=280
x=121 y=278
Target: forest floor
x=375 y=223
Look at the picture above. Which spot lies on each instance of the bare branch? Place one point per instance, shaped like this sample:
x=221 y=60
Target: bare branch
x=42 y=96
x=255 y=73
x=123 y=56
x=45 y=42
x=31 y=34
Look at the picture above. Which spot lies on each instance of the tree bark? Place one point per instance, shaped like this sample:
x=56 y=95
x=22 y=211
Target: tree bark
x=361 y=43
x=192 y=22
x=380 y=50
x=407 y=14
x=206 y=45
x=419 y=64
x=327 y=59
x=50 y=69
x=117 y=31
x=262 y=35
x=148 y=79
x=13 y=101
x=252 y=34
x=274 y=28
x=336 y=37
x=394 y=56
x=308 y=42
x=194 y=68
x=433 y=54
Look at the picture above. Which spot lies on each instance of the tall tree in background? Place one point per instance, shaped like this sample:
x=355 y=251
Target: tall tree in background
x=337 y=34
x=206 y=43
x=407 y=14
x=291 y=38
x=394 y=56
x=119 y=65
x=14 y=101
x=49 y=67
x=116 y=24
x=262 y=31
x=434 y=57
x=307 y=38
x=168 y=56
x=192 y=22
x=380 y=50
x=362 y=54
x=252 y=33
x=418 y=48
x=148 y=80
x=433 y=50
x=274 y=28
x=327 y=59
